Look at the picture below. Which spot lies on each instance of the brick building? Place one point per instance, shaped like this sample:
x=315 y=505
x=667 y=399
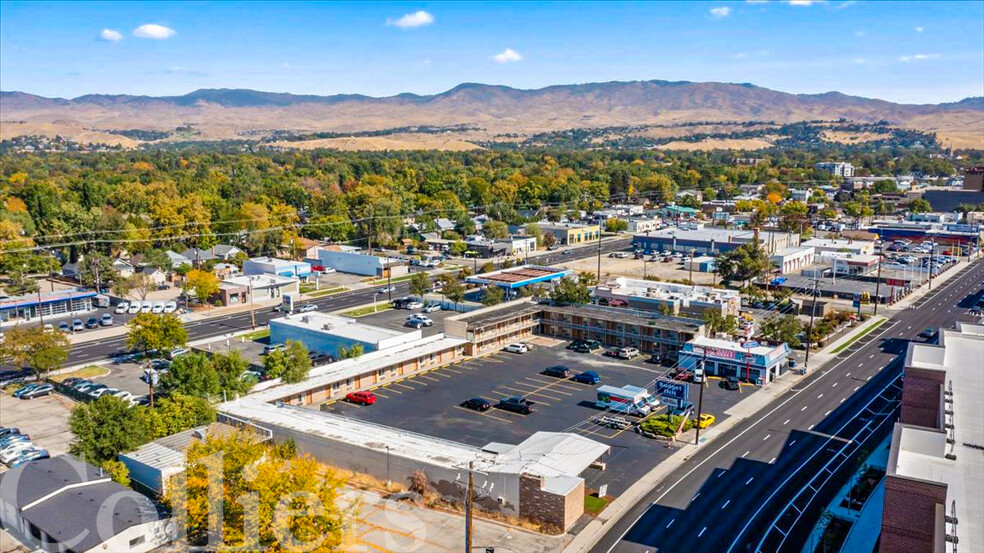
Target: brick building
x=934 y=482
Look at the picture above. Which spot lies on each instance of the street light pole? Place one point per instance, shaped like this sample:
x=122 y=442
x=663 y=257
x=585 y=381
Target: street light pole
x=809 y=330
x=878 y=281
x=700 y=395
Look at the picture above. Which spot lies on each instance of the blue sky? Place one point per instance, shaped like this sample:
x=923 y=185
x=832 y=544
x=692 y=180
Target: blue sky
x=912 y=52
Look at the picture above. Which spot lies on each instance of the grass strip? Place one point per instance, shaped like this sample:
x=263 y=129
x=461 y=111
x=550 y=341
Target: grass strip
x=860 y=335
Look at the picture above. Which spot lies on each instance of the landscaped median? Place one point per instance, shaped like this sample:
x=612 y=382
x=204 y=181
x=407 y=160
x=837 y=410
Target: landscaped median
x=312 y=293
x=871 y=327
x=367 y=309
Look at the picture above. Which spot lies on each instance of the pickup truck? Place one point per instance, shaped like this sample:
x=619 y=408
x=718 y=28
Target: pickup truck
x=515 y=404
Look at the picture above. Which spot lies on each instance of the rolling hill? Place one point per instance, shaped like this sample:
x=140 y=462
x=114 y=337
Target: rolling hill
x=495 y=110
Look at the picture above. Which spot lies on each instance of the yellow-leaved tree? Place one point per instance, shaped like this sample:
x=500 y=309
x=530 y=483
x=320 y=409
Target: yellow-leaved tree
x=271 y=498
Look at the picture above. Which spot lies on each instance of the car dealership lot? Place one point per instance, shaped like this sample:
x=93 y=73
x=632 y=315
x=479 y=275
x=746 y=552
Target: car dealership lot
x=396 y=319
x=429 y=403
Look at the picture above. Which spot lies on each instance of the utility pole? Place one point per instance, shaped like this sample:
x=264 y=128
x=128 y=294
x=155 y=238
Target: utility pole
x=252 y=313
x=809 y=329
x=932 y=255
x=692 y=253
x=878 y=281
x=598 y=276
x=700 y=394
x=389 y=282
x=468 y=507
x=40 y=307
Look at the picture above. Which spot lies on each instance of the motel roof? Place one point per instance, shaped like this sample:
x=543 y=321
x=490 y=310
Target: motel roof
x=517 y=277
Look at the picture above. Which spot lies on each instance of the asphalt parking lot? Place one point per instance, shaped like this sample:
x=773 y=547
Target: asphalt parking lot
x=45 y=419
x=396 y=318
x=428 y=403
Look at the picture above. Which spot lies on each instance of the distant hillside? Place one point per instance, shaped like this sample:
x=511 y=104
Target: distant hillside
x=496 y=110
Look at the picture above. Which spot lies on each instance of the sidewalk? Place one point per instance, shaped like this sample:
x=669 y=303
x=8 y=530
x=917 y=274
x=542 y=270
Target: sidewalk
x=746 y=408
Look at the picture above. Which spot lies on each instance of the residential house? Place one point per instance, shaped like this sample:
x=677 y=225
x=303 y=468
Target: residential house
x=123 y=268
x=154 y=275
x=177 y=259
x=225 y=270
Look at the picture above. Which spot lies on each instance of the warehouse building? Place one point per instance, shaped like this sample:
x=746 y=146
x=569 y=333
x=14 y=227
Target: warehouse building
x=857 y=247
x=793 y=259
x=492 y=328
x=274 y=266
x=749 y=361
x=674 y=299
x=701 y=240
x=47 y=305
x=326 y=333
x=349 y=259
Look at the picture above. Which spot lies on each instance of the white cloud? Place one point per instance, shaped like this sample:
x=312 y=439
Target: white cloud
x=723 y=11
x=918 y=57
x=415 y=19
x=507 y=55
x=800 y=2
x=153 y=31
x=859 y=34
x=920 y=29
x=860 y=61
x=110 y=35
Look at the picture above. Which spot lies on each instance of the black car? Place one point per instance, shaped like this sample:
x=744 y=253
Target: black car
x=575 y=344
x=582 y=348
x=515 y=404
x=9 y=376
x=730 y=383
x=92 y=323
x=477 y=403
x=558 y=371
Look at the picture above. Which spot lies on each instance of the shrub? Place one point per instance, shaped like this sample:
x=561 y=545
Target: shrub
x=665 y=425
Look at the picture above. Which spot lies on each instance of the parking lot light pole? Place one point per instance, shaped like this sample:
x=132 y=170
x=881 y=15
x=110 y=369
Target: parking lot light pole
x=598 y=276
x=809 y=329
x=878 y=279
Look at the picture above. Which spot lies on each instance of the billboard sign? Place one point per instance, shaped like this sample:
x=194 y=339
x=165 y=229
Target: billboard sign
x=675 y=390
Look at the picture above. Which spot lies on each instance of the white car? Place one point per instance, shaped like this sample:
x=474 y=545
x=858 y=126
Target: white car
x=170 y=307
x=158 y=308
x=414 y=305
x=13 y=451
x=306 y=308
x=627 y=353
x=517 y=347
x=103 y=391
x=432 y=307
x=134 y=308
x=146 y=307
x=125 y=396
x=122 y=307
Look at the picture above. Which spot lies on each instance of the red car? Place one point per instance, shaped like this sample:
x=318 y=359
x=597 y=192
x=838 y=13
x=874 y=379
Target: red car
x=318 y=268
x=362 y=398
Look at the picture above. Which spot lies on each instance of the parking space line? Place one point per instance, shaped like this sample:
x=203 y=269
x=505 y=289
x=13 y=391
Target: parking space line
x=429 y=378
x=400 y=384
x=486 y=414
x=551 y=389
x=565 y=384
x=533 y=393
x=438 y=372
x=449 y=369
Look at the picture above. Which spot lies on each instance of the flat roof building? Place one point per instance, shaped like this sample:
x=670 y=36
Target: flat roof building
x=348 y=259
x=236 y=290
x=710 y=240
x=275 y=266
x=935 y=474
x=326 y=333
x=857 y=247
x=758 y=364
x=569 y=234
x=517 y=277
x=793 y=259
x=48 y=305
x=678 y=299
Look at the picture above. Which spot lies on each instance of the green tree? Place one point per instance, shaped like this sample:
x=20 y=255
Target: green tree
x=419 y=284
x=96 y=270
x=192 y=374
x=549 y=239
x=920 y=205
x=533 y=229
x=492 y=295
x=616 y=225
x=457 y=248
x=230 y=368
x=290 y=364
x=718 y=323
x=495 y=229
x=105 y=428
x=283 y=485
x=454 y=291
x=177 y=413
x=783 y=329
x=351 y=352
x=117 y=471
x=159 y=333
x=33 y=347
x=743 y=263
x=570 y=291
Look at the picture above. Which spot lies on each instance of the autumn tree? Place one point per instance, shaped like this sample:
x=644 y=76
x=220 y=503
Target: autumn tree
x=291 y=499
x=33 y=347
x=202 y=283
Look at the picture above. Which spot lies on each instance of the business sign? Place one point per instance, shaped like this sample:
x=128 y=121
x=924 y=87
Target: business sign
x=895 y=282
x=676 y=390
x=751 y=344
x=671 y=402
x=719 y=353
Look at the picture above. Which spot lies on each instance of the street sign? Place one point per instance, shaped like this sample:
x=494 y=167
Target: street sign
x=675 y=390
x=603 y=490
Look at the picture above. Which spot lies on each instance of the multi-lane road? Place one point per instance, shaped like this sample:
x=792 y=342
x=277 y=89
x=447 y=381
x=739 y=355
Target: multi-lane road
x=761 y=485
x=235 y=322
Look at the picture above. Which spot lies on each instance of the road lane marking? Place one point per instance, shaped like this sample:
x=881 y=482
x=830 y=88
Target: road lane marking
x=843 y=399
x=720 y=474
x=745 y=454
x=695 y=497
x=702 y=530
x=804 y=408
x=792 y=442
x=872 y=356
x=749 y=481
x=670 y=523
x=834 y=385
x=856 y=388
x=819 y=396
x=848 y=374
x=726 y=503
x=811 y=427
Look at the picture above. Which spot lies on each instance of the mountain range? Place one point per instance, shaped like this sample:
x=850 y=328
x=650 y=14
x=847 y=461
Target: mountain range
x=240 y=113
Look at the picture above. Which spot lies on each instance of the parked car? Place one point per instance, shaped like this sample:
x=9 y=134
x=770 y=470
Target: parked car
x=587 y=377
x=683 y=375
x=170 y=307
x=361 y=398
x=558 y=371
x=432 y=307
x=94 y=389
x=146 y=307
x=412 y=305
x=423 y=319
x=92 y=323
x=78 y=325
x=628 y=353
x=13 y=439
x=516 y=347
x=40 y=390
x=477 y=404
x=14 y=451
x=928 y=334
x=25 y=390
x=134 y=308
x=157 y=308
x=104 y=391
x=78 y=384
x=307 y=308
x=612 y=351
x=106 y=320
x=515 y=404
x=730 y=383
x=121 y=307
x=28 y=456
x=9 y=376
x=270 y=348
x=8 y=431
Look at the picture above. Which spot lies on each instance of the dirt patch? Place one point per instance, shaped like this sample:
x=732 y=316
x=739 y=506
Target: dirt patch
x=611 y=268
x=384 y=143
x=718 y=144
